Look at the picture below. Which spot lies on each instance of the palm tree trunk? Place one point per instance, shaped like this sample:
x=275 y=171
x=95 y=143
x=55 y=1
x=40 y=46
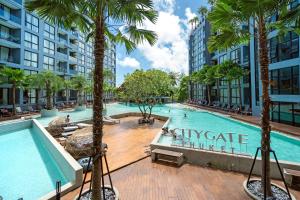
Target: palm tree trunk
x=229 y=93
x=265 y=120
x=14 y=98
x=48 y=98
x=240 y=93
x=98 y=106
x=208 y=94
x=218 y=89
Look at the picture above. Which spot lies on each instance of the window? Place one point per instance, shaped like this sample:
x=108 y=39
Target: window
x=235 y=56
x=89 y=51
x=81 y=59
x=222 y=59
x=48 y=47
x=81 y=47
x=49 y=31
x=31 y=41
x=285 y=81
x=48 y=63
x=32 y=22
x=81 y=69
x=88 y=62
x=287 y=48
x=285 y=112
x=31 y=59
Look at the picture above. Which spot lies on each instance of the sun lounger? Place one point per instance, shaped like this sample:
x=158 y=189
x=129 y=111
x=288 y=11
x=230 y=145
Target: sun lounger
x=70 y=128
x=66 y=134
x=30 y=109
x=83 y=125
x=19 y=111
x=247 y=110
x=5 y=113
x=111 y=119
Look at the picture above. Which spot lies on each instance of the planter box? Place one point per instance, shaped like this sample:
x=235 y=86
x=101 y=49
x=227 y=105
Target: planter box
x=49 y=113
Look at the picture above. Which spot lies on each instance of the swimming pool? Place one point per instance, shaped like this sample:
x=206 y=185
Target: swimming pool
x=31 y=164
x=287 y=148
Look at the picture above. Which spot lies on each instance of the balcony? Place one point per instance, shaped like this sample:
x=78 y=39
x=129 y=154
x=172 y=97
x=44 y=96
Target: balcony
x=62 y=43
x=72 y=59
x=74 y=34
x=11 y=61
x=9 y=20
x=15 y=4
x=61 y=56
x=10 y=41
x=73 y=72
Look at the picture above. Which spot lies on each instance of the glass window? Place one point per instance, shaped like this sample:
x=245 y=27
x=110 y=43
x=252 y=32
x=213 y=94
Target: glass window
x=297 y=114
x=32 y=22
x=49 y=31
x=48 y=63
x=286 y=113
x=31 y=41
x=285 y=80
x=81 y=59
x=222 y=59
x=81 y=47
x=89 y=51
x=30 y=59
x=48 y=47
x=235 y=55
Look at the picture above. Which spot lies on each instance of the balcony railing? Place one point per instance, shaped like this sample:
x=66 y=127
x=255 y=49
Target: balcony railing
x=10 y=59
x=8 y=16
x=10 y=38
x=73 y=71
x=18 y=1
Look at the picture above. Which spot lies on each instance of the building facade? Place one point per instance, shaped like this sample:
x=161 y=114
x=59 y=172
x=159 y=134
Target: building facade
x=29 y=43
x=283 y=70
x=198 y=55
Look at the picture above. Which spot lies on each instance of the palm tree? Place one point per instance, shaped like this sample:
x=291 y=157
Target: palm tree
x=79 y=83
x=226 y=19
x=100 y=20
x=35 y=82
x=174 y=77
x=16 y=78
x=67 y=86
x=194 y=22
x=228 y=70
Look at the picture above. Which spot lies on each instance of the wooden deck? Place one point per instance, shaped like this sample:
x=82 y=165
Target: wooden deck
x=145 y=180
x=153 y=181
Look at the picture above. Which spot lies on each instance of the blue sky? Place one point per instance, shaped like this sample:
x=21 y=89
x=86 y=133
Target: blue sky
x=170 y=53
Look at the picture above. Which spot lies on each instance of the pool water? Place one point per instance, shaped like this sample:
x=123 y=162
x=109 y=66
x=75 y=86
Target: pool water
x=286 y=148
x=27 y=168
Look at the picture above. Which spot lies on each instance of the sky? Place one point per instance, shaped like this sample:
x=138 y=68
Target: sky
x=170 y=53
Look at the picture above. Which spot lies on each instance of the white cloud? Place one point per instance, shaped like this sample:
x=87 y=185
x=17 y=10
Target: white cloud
x=129 y=62
x=171 y=50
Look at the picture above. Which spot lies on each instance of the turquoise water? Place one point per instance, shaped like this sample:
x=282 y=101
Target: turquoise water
x=286 y=148
x=27 y=168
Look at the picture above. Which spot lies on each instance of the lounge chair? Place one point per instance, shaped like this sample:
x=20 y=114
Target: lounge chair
x=30 y=109
x=223 y=106
x=70 y=128
x=117 y=121
x=19 y=111
x=5 y=113
x=247 y=110
x=83 y=125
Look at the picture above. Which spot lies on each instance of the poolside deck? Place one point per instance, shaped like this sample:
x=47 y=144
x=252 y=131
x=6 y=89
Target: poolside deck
x=153 y=181
x=284 y=128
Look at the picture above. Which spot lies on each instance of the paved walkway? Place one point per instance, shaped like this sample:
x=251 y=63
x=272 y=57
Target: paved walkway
x=284 y=128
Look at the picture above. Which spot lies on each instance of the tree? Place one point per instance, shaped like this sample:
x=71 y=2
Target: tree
x=226 y=19
x=174 y=77
x=35 y=82
x=230 y=71
x=67 y=86
x=206 y=76
x=182 y=92
x=144 y=88
x=194 y=22
x=79 y=83
x=100 y=20
x=16 y=78
x=48 y=81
